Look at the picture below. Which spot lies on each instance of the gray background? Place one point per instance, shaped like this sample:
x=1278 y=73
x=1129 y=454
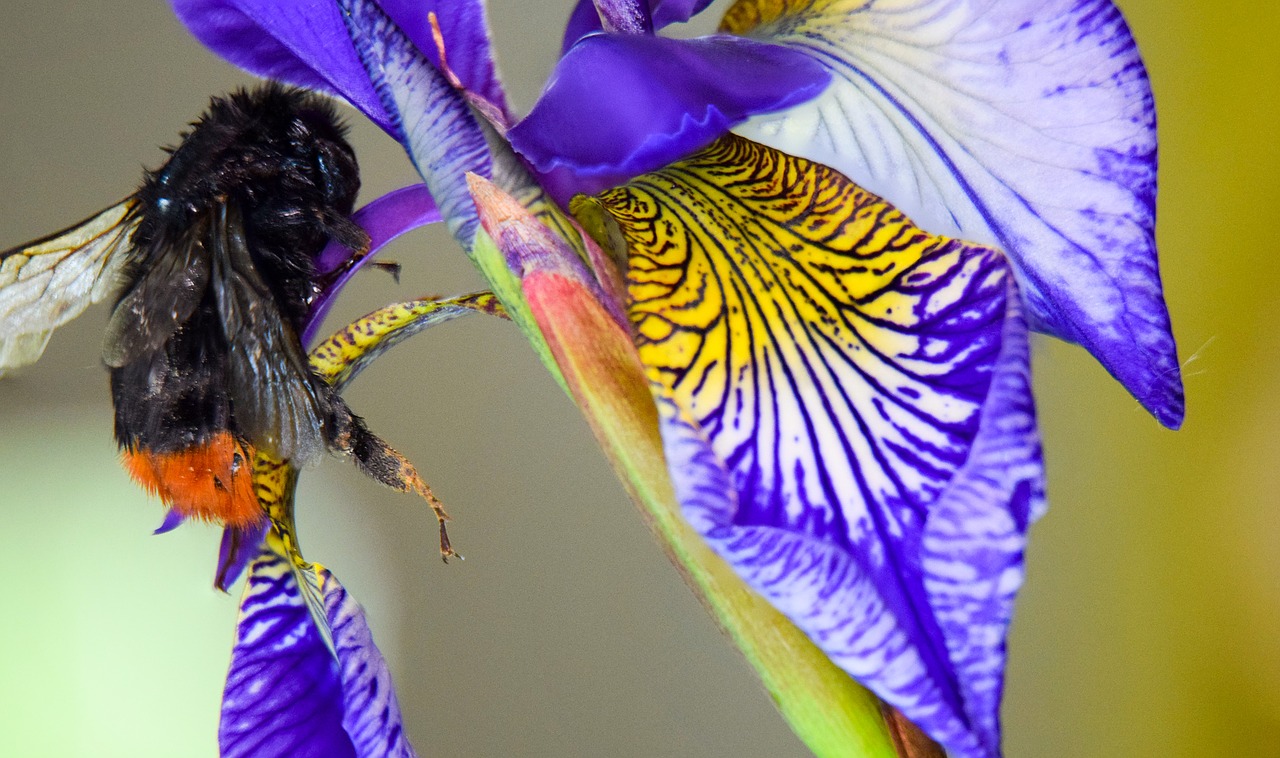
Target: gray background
x=1147 y=626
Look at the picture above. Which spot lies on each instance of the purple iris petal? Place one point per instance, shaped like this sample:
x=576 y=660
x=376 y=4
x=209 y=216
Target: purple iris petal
x=666 y=12
x=430 y=118
x=584 y=19
x=172 y=520
x=287 y=694
x=620 y=105
x=1025 y=124
x=283 y=695
x=372 y=717
x=384 y=219
x=238 y=547
x=465 y=31
x=900 y=566
x=306 y=42
x=303 y=42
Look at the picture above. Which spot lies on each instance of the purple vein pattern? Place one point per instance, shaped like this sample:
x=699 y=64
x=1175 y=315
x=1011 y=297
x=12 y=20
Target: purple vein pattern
x=283 y=696
x=431 y=119
x=305 y=42
x=846 y=415
x=301 y=685
x=1024 y=124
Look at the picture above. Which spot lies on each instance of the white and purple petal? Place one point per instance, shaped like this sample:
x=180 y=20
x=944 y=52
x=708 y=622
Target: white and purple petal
x=305 y=42
x=283 y=695
x=301 y=686
x=1026 y=124
x=619 y=105
x=429 y=117
x=846 y=415
x=372 y=714
x=934 y=647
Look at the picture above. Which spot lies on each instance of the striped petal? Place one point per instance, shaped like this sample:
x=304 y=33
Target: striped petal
x=301 y=685
x=846 y=414
x=1026 y=124
x=371 y=711
x=305 y=42
x=283 y=695
x=572 y=324
x=430 y=118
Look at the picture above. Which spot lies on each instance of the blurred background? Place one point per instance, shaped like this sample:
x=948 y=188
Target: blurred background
x=1149 y=624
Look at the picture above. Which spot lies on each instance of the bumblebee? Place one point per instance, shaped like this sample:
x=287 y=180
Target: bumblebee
x=213 y=267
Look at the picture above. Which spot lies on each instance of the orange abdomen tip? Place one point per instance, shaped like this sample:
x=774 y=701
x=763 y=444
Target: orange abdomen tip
x=212 y=482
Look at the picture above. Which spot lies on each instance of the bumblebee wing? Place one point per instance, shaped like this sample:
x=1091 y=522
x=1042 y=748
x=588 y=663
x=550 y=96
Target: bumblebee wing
x=275 y=399
x=160 y=298
x=46 y=283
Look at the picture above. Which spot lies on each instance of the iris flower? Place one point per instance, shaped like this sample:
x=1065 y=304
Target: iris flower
x=802 y=344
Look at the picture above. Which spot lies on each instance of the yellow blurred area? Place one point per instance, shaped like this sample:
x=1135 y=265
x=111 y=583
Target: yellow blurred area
x=1149 y=624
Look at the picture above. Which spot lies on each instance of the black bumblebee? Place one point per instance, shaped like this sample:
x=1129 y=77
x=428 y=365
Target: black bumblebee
x=214 y=263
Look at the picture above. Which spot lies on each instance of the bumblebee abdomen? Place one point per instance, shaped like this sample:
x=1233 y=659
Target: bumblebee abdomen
x=212 y=481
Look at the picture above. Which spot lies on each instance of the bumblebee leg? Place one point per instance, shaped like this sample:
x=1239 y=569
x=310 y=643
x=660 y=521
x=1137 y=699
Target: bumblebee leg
x=381 y=462
x=338 y=359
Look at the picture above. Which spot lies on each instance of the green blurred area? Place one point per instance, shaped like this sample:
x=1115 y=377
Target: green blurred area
x=1148 y=625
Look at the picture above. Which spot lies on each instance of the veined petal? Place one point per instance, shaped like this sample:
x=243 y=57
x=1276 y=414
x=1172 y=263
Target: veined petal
x=237 y=548
x=372 y=717
x=305 y=42
x=384 y=219
x=1026 y=124
x=585 y=20
x=846 y=415
x=575 y=332
x=618 y=104
x=464 y=30
x=430 y=118
x=284 y=693
x=302 y=685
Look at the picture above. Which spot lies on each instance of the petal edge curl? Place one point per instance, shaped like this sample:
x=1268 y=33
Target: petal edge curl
x=618 y=105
